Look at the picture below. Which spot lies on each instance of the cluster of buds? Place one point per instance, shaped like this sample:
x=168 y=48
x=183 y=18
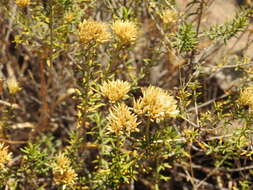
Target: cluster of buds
x=115 y=90
x=5 y=156
x=13 y=85
x=121 y=120
x=246 y=97
x=169 y=16
x=23 y=3
x=156 y=104
x=126 y=31
x=62 y=171
x=94 y=31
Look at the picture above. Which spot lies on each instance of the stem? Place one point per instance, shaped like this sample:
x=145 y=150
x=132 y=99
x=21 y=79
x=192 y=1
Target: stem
x=157 y=174
x=87 y=70
x=200 y=17
x=201 y=7
x=196 y=107
x=44 y=110
x=51 y=31
x=43 y=95
x=148 y=132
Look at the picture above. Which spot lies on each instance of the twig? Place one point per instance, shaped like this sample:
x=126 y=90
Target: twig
x=203 y=183
x=207 y=103
x=240 y=169
x=13 y=142
x=15 y=106
x=14 y=12
x=189 y=121
x=211 y=173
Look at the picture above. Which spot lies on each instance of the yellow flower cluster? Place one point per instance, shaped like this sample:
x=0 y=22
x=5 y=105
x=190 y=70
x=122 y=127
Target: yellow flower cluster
x=69 y=17
x=246 y=97
x=23 y=3
x=126 y=31
x=115 y=90
x=13 y=85
x=62 y=171
x=121 y=120
x=169 y=16
x=156 y=104
x=90 y=30
x=5 y=156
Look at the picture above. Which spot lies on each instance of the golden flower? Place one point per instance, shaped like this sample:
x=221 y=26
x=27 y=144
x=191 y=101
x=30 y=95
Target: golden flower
x=246 y=97
x=126 y=31
x=5 y=156
x=13 y=85
x=22 y=3
x=156 y=104
x=169 y=16
x=90 y=30
x=115 y=90
x=62 y=171
x=121 y=120
x=69 y=16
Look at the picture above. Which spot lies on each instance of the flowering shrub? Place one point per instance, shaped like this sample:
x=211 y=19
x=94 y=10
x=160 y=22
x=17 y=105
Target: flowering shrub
x=104 y=94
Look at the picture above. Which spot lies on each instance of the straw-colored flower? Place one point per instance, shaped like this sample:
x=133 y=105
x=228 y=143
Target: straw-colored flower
x=90 y=31
x=13 y=85
x=23 y=3
x=5 y=156
x=62 y=171
x=69 y=17
x=246 y=97
x=169 y=16
x=115 y=90
x=121 y=120
x=156 y=104
x=126 y=31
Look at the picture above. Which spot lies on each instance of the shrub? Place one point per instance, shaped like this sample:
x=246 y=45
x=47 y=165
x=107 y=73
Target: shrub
x=124 y=95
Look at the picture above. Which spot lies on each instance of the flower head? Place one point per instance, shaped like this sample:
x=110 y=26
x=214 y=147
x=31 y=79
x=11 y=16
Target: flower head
x=22 y=3
x=62 y=171
x=121 y=120
x=126 y=31
x=169 y=16
x=13 y=85
x=115 y=90
x=156 y=104
x=5 y=156
x=246 y=97
x=69 y=17
x=90 y=30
